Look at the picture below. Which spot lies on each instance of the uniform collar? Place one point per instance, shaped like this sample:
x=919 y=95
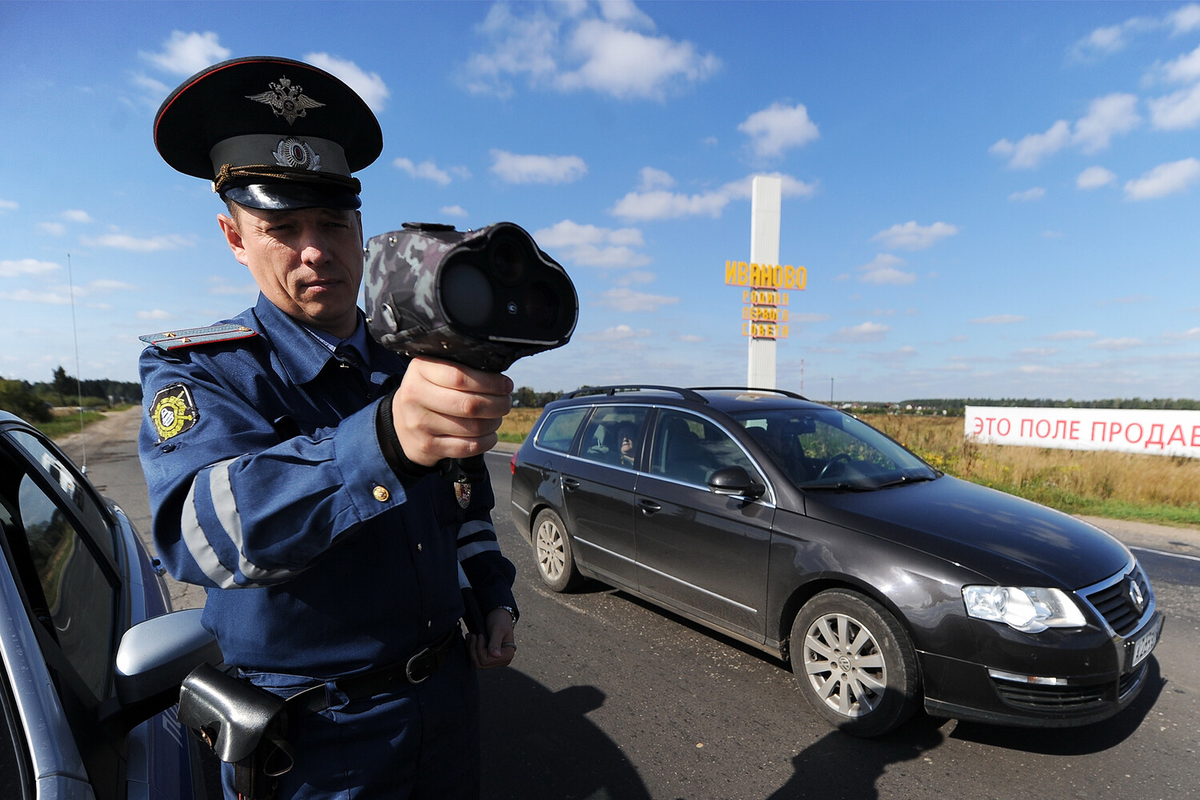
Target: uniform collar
x=303 y=355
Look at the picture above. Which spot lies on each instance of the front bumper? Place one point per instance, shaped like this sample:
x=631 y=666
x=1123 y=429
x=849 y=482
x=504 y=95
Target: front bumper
x=1052 y=694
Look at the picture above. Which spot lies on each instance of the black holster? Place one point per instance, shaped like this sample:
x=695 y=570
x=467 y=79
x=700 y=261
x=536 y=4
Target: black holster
x=243 y=724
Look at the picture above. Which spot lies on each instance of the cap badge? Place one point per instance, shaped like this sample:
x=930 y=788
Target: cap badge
x=292 y=152
x=286 y=100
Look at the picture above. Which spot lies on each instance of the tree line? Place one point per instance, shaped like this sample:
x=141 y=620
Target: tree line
x=34 y=401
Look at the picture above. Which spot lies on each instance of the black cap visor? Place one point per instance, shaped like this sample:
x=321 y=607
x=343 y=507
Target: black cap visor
x=281 y=196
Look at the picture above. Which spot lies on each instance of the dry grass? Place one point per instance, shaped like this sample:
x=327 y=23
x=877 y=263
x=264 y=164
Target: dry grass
x=1120 y=485
x=517 y=424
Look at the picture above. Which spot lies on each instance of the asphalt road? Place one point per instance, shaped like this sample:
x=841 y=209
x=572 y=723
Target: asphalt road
x=610 y=698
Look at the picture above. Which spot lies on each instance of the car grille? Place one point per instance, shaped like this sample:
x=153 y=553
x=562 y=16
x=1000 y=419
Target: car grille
x=1052 y=699
x=1066 y=700
x=1115 y=601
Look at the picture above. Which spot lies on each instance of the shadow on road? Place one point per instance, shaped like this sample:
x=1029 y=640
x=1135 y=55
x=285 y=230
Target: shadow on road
x=538 y=743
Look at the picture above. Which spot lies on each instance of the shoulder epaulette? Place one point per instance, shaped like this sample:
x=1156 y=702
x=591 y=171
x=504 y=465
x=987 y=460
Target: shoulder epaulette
x=190 y=337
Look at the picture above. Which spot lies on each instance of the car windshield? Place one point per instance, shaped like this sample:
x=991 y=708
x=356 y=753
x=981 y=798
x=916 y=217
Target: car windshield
x=826 y=449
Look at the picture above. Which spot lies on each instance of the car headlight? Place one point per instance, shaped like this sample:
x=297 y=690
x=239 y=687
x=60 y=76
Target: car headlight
x=1029 y=610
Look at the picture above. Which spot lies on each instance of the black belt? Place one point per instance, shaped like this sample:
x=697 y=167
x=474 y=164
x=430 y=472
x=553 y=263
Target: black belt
x=417 y=669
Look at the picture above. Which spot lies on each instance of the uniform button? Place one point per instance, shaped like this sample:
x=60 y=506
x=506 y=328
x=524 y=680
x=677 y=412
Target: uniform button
x=429 y=624
x=381 y=494
x=418 y=547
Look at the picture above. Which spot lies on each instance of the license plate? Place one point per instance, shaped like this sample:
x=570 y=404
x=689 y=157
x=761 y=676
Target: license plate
x=1144 y=645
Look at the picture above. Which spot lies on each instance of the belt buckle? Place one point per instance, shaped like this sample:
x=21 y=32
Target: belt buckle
x=408 y=668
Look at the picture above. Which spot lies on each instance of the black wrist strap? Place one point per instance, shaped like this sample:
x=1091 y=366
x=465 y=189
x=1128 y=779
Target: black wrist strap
x=389 y=443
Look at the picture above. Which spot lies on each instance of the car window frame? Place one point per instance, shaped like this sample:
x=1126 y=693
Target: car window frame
x=49 y=644
x=768 y=498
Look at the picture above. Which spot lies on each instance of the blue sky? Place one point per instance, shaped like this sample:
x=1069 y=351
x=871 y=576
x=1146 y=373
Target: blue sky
x=991 y=199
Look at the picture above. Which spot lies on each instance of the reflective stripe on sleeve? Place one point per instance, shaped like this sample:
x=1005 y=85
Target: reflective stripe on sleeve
x=230 y=523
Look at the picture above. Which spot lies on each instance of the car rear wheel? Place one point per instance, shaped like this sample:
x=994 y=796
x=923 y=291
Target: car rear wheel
x=552 y=550
x=854 y=663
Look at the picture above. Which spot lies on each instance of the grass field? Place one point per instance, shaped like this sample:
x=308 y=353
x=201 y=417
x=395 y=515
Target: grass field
x=1145 y=488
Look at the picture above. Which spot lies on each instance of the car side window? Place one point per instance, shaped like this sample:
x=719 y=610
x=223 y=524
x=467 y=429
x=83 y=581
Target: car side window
x=74 y=489
x=559 y=430
x=689 y=448
x=70 y=592
x=613 y=435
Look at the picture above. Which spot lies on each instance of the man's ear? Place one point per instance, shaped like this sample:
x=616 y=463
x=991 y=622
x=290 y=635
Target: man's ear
x=233 y=237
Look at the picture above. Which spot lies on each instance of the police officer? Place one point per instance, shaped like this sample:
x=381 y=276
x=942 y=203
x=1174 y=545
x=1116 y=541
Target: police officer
x=291 y=460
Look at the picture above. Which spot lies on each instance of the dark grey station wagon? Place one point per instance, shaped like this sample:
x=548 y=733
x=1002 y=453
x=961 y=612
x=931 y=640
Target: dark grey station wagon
x=803 y=531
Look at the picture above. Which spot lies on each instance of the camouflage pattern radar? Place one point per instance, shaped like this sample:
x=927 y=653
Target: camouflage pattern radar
x=482 y=298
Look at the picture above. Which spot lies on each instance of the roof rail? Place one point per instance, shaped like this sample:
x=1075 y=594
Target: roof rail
x=686 y=394
x=783 y=392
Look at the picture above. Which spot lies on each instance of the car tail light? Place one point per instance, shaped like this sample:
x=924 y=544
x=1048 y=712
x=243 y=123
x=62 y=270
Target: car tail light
x=512 y=464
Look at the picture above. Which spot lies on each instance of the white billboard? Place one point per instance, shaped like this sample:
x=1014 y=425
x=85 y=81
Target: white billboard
x=1167 y=433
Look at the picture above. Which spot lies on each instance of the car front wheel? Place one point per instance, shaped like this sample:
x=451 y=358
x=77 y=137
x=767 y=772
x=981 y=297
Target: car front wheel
x=854 y=663
x=552 y=550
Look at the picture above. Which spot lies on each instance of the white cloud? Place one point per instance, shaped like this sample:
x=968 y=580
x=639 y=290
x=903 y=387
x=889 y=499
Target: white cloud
x=76 y=215
x=661 y=204
x=1191 y=335
x=1036 y=193
x=123 y=241
x=617 y=333
x=1068 y=336
x=625 y=299
x=1184 y=69
x=1186 y=19
x=655 y=179
x=1176 y=111
x=778 y=128
x=569 y=47
x=54 y=297
x=911 y=236
x=628 y=64
x=1094 y=178
x=26 y=266
x=1118 y=344
x=187 y=53
x=369 y=86
x=998 y=319
x=1031 y=150
x=427 y=170
x=514 y=168
x=453 y=211
x=1163 y=180
x=860 y=334
x=8 y=205
x=593 y=246
x=883 y=270
x=53 y=228
x=154 y=314
x=1107 y=116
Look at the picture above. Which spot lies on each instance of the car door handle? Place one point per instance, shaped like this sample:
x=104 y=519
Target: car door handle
x=649 y=507
x=570 y=484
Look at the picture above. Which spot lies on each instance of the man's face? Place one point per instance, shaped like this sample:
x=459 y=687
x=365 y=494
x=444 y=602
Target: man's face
x=308 y=261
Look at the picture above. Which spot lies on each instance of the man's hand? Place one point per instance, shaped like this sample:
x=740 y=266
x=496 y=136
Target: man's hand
x=498 y=647
x=445 y=410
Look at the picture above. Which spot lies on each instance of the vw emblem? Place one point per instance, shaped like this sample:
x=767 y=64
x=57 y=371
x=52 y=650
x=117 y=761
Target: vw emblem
x=1135 y=594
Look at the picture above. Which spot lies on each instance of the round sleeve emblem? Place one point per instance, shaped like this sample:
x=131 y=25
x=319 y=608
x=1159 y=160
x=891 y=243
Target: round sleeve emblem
x=173 y=411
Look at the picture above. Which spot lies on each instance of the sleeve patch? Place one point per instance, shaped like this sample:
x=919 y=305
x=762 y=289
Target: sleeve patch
x=173 y=411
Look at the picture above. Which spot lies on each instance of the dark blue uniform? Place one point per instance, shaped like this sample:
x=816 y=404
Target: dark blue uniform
x=269 y=487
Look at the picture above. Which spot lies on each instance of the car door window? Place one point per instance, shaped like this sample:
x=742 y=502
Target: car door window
x=558 y=431
x=76 y=589
x=613 y=435
x=689 y=448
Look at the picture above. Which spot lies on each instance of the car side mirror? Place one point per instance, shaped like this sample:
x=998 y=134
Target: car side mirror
x=153 y=659
x=735 y=482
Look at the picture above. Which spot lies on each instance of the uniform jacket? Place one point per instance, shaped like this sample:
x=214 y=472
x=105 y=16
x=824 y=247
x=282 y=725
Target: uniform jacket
x=268 y=487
